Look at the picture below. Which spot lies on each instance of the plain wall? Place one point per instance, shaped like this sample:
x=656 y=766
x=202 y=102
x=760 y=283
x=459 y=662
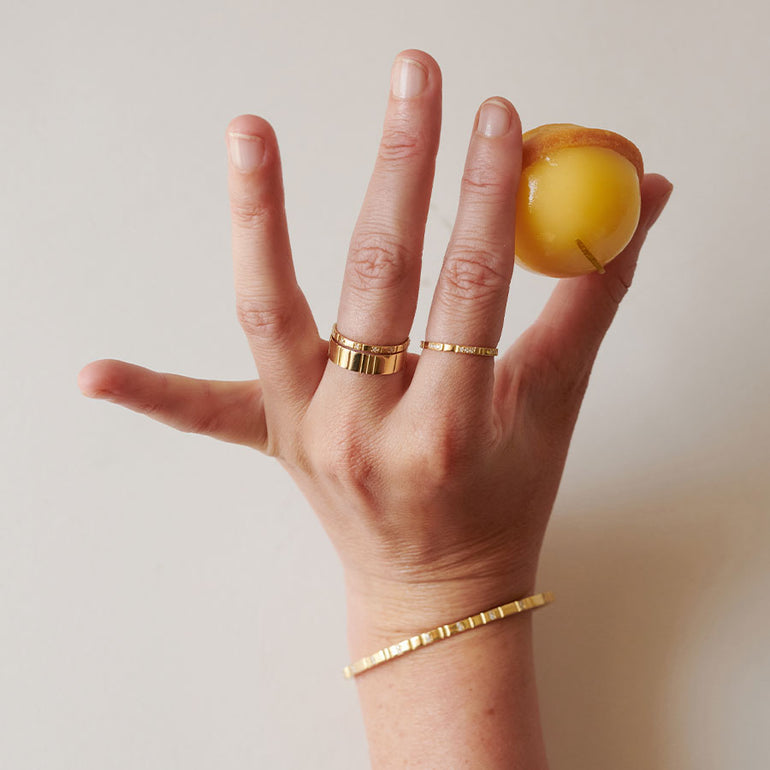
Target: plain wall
x=170 y=602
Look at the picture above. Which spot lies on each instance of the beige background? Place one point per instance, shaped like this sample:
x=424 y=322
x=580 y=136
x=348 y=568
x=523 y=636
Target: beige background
x=168 y=602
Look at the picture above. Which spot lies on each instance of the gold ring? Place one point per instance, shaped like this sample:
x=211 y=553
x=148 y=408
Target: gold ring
x=450 y=347
x=362 y=347
x=364 y=358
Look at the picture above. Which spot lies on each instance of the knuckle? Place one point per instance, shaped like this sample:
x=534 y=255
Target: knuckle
x=152 y=404
x=448 y=459
x=616 y=286
x=485 y=182
x=252 y=212
x=448 y=456
x=398 y=143
x=473 y=273
x=377 y=260
x=207 y=419
x=348 y=464
x=260 y=320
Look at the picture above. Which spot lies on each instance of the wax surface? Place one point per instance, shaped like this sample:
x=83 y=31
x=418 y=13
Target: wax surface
x=589 y=194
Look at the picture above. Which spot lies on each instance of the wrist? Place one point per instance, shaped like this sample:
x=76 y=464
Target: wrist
x=385 y=611
x=473 y=693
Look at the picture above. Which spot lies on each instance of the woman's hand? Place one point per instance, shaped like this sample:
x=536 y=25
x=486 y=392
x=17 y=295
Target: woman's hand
x=436 y=483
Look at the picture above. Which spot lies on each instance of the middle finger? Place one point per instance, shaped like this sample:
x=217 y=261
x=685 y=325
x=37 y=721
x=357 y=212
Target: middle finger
x=379 y=292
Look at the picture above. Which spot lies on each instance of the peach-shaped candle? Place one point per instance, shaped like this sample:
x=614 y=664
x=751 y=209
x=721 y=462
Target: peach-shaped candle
x=579 y=199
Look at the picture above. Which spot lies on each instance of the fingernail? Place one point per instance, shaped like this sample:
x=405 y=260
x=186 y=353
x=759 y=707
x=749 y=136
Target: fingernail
x=408 y=78
x=653 y=218
x=494 y=119
x=246 y=151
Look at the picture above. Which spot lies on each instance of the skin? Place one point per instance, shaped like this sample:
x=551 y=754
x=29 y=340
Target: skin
x=434 y=484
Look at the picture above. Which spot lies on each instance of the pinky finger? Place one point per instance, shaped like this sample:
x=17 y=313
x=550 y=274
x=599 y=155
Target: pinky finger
x=229 y=411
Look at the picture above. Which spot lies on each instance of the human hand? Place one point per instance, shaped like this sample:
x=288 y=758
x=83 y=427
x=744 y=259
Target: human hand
x=435 y=484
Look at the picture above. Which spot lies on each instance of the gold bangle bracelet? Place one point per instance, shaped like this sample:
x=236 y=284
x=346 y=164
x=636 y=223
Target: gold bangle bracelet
x=445 y=631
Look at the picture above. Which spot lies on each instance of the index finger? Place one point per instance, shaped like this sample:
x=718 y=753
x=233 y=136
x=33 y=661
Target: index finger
x=272 y=309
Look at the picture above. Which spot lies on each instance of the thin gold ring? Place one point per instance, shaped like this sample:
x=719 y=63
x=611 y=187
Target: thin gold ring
x=363 y=362
x=363 y=347
x=451 y=347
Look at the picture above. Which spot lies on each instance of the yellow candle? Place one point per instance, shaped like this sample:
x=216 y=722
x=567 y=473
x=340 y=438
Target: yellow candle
x=579 y=199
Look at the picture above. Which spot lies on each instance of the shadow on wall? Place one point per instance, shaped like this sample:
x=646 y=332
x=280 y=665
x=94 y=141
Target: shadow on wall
x=640 y=665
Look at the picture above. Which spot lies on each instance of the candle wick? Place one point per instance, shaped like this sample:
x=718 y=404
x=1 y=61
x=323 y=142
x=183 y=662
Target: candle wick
x=590 y=257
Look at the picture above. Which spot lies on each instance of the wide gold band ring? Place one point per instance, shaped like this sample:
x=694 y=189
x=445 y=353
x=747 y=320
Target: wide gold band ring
x=365 y=358
x=451 y=347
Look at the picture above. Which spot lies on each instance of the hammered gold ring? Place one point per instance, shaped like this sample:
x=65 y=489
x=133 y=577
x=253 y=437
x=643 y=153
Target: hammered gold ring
x=451 y=347
x=365 y=358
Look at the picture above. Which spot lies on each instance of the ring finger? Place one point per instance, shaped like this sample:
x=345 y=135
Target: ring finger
x=468 y=306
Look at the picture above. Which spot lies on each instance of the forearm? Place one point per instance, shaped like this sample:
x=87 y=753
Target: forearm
x=467 y=701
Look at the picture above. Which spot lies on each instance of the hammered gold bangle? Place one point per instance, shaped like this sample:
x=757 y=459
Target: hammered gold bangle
x=444 y=632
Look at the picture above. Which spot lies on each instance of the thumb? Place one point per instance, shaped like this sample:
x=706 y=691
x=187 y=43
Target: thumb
x=229 y=411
